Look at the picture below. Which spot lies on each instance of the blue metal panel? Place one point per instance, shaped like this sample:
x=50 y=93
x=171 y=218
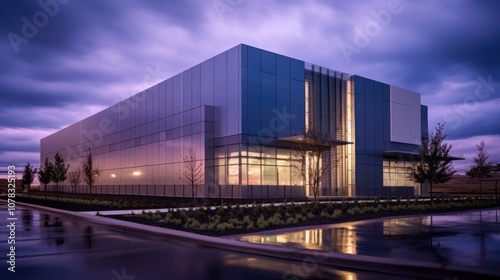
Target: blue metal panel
x=186 y=90
x=169 y=97
x=379 y=118
x=359 y=85
x=177 y=93
x=244 y=55
x=254 y=95
x=360 y=175
x=283 y=94
x=297 y=69
x=220 y=94
x=207 y=82
x=386 y=118
x=196 y=78
x=296 y=114
x=359 y=111
x=244 y=100
x=268 y=62
x=149 y=108
x=369 y=116
x=268 y=102
x=424 y=122
x=233 y=91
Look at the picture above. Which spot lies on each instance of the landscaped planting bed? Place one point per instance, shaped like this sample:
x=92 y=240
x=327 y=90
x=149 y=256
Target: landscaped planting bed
x=235 y=219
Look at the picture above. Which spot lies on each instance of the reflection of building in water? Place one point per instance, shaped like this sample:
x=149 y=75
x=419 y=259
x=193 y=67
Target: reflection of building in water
x=403 y=227
x=341 y=240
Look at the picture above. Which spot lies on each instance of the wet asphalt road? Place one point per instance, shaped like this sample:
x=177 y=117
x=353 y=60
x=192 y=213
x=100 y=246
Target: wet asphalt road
x=468 y=238
x=53 y=247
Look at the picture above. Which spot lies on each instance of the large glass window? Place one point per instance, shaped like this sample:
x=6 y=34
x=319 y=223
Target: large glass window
x=396 y=173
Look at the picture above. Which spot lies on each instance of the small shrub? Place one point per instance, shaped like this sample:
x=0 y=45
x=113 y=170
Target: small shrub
x=324 y=214
x=299 y=217
x=337 y=213
x=221 y=227
x=220 y=210
x=304 y=210
x=183 y=215
x=240 y=212
x=196 y=224
x=329 y=208
x=380 y=207
x=156 y=217
x=289 y=221
x=246 y=220
x=310 y=215
x=354 y=210
x=250 y=226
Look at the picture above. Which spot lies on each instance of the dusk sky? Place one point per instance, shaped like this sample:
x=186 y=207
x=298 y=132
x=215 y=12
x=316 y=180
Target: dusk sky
x=70 y=59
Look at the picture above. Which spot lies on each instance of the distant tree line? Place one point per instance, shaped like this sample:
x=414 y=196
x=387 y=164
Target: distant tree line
x=58 y=172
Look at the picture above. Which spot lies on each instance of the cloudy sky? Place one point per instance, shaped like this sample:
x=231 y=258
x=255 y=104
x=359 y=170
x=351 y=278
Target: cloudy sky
x=65 y=60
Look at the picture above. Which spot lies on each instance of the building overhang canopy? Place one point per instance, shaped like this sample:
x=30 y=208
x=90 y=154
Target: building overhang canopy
x=410 y=155
x=300 y=138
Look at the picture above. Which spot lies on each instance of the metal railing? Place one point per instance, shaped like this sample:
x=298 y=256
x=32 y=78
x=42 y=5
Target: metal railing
x=199 y=191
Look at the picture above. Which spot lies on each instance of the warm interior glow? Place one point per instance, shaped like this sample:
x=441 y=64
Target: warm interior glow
x=137 y=173
x=306 y=99
x=113 y=175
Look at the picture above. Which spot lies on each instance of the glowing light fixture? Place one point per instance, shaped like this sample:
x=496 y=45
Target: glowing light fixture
x=137 y=173
x=113 y=175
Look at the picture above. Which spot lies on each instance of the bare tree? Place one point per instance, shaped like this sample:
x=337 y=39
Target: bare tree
x=308 y=152
x=192 y=170
x=75 y=177
x=434 y=165
x=89 y=173
x=28 y=176
x=482 y=168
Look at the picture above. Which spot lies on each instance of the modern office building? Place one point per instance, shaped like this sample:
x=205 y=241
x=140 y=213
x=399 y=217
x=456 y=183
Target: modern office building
x=239 y=111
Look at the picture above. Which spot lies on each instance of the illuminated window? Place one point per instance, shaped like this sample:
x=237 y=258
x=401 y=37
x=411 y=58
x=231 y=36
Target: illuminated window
x=395 y=173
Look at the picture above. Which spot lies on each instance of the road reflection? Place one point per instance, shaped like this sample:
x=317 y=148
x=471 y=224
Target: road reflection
x=465 y=238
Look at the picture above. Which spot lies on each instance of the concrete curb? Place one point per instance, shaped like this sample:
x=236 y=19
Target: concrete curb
x=309 y=258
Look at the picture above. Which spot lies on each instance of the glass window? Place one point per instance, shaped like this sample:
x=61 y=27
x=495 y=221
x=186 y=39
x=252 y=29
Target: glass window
x=221 y=174
x=233 y=174
x=233 y=150
x=269 y=175
x=244 y=174
x=284 y=176
x=283 y=153
x=254 y=174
